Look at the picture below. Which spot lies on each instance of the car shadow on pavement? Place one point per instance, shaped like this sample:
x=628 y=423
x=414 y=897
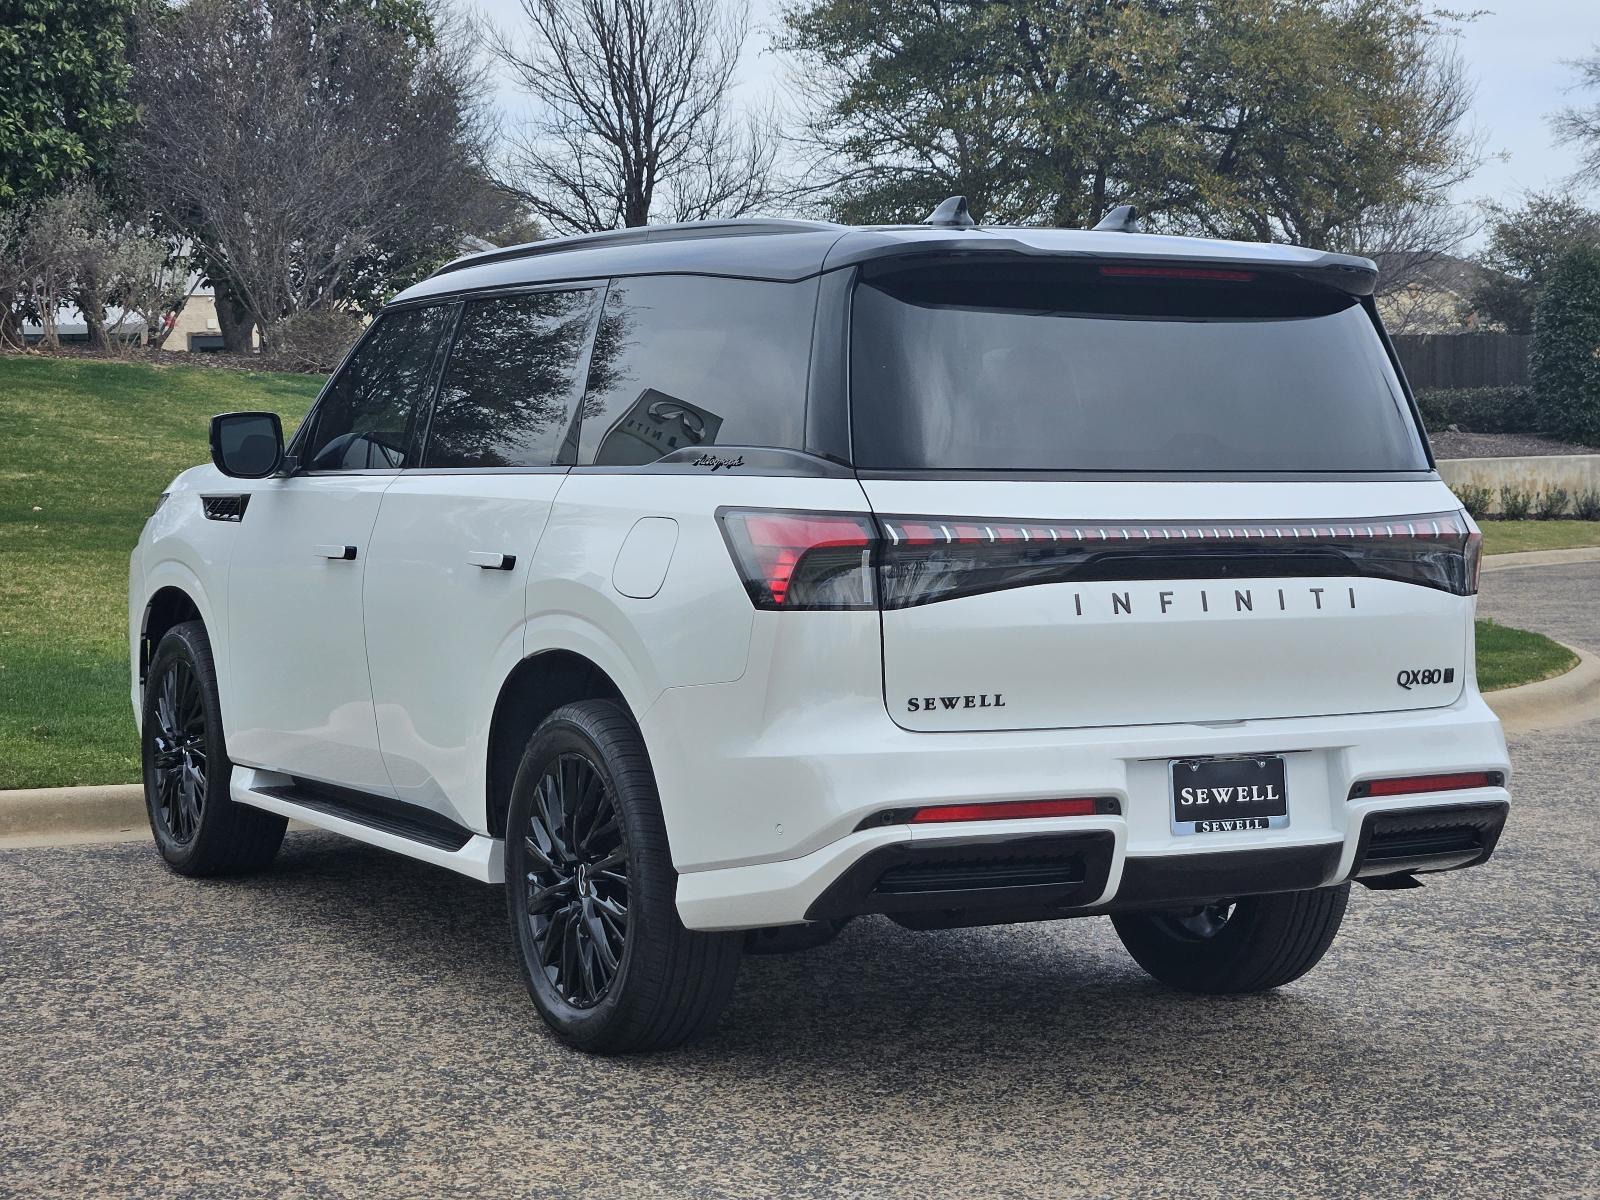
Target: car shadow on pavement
x=878 y=1005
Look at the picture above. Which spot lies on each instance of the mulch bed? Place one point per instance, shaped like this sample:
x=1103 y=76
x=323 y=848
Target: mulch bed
x=1500 y=445
x=178 y=358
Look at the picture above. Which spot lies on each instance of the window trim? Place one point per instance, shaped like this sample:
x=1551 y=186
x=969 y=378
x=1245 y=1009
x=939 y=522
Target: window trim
x=599 y=286
x=296 y=448
x=817 y=280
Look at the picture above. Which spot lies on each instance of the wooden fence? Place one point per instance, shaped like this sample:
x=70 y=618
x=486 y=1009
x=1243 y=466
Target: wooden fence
x=1463 y=360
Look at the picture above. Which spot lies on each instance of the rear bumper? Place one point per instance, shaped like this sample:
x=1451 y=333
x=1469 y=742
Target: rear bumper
x=779 y=815
x=979 y=874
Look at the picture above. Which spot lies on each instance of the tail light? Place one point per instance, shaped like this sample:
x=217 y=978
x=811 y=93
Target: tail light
x=828 y=560
x=1473 y=553
x=800 y=560
x=924 y=559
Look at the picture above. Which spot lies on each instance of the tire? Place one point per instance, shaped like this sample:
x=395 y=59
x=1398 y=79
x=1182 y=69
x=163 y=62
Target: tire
x=198 y=828
x=591 y=893
x=1251 y=945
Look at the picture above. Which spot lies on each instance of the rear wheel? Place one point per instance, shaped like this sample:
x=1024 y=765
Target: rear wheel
x=198 y=828
x=591 y=888
x=1248 y=945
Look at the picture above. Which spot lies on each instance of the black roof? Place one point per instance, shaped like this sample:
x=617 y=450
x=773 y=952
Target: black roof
x=792 y=250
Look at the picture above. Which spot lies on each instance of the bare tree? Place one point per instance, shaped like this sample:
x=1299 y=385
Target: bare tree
x=633 y=114
x=1581 y=125
x=310 y=152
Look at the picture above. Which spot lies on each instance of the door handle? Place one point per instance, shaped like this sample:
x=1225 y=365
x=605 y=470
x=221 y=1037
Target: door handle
x=341 y=553
x=489 y=560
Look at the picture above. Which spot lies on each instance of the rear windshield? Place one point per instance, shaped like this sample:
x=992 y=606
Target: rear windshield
x=1112 y=368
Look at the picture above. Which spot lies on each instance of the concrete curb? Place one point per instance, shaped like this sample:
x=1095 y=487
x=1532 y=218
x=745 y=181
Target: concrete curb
x=1569 y=699
x=61 y=816
x=1540 y=558
x=34 y=815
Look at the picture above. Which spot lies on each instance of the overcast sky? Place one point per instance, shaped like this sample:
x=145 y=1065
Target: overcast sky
x=1514 y=53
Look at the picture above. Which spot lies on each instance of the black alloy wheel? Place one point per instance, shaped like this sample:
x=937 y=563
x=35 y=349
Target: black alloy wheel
x=199 y=828
x=577 y=880
x=181 y=743
x=591 y=892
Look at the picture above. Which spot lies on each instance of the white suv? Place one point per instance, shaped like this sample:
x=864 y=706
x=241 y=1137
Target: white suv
x=712 y=585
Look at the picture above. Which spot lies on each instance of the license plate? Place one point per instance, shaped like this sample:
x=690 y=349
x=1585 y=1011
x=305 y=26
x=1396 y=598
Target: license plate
x=1228 y=795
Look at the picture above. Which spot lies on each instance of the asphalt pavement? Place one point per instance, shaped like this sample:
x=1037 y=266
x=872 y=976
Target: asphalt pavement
x=351 y=1024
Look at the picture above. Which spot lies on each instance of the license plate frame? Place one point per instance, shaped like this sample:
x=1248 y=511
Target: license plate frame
x=1229 y=814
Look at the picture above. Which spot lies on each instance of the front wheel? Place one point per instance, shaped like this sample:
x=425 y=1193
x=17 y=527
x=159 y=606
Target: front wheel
x=1248 y=945
x=590 y=888
x=198 y=828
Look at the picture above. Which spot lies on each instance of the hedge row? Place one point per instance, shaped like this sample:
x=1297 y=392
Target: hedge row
x=1481 y=410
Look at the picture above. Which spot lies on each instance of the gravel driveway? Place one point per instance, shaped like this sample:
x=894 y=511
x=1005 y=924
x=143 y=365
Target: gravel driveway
x=352 y=1024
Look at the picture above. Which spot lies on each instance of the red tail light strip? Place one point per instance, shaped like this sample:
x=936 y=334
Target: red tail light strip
x=1411 y=785
x=794 y=561
x=923 y=559
x=927 y=531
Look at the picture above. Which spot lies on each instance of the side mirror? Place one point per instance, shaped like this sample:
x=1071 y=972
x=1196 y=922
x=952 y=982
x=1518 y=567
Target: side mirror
x=247 y=445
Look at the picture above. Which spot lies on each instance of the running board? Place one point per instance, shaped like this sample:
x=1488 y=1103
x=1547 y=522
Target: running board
x=378 y=821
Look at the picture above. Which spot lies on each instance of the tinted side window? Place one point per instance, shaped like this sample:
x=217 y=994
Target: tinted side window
x=682 y=362
x=512 y=383
x=368 y=416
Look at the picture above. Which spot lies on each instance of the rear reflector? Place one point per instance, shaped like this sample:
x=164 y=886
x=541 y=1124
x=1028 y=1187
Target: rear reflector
x=1006 y=810
x=1412 y=785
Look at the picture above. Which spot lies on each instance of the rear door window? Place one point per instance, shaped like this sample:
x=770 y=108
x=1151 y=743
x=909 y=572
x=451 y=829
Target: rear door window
x=683 y=362
x=1120 y=368
x=510 y=389
x=369 y=416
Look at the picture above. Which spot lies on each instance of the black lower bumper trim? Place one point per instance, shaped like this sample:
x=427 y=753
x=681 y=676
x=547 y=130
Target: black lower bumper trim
x=1442 y=838
x=1032 y=872
x=1226 y=874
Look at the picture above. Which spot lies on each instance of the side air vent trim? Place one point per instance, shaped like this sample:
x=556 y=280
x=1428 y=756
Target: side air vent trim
x=225 y=508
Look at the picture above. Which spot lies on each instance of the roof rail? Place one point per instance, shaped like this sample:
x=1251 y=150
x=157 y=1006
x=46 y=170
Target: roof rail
x=638 y=235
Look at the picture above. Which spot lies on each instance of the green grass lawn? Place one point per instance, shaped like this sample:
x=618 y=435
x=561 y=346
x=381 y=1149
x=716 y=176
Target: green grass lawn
x=1508 y=657
x=85 y=449
x=1506 y=537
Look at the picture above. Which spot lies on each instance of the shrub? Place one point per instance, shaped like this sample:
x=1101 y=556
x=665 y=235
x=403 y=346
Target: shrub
x=1566 y=347
x=1586 y=505
x=1551 y=503
x=1476 y=499
x=314 y=340
x=1515 y=503
x=1480 y=410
